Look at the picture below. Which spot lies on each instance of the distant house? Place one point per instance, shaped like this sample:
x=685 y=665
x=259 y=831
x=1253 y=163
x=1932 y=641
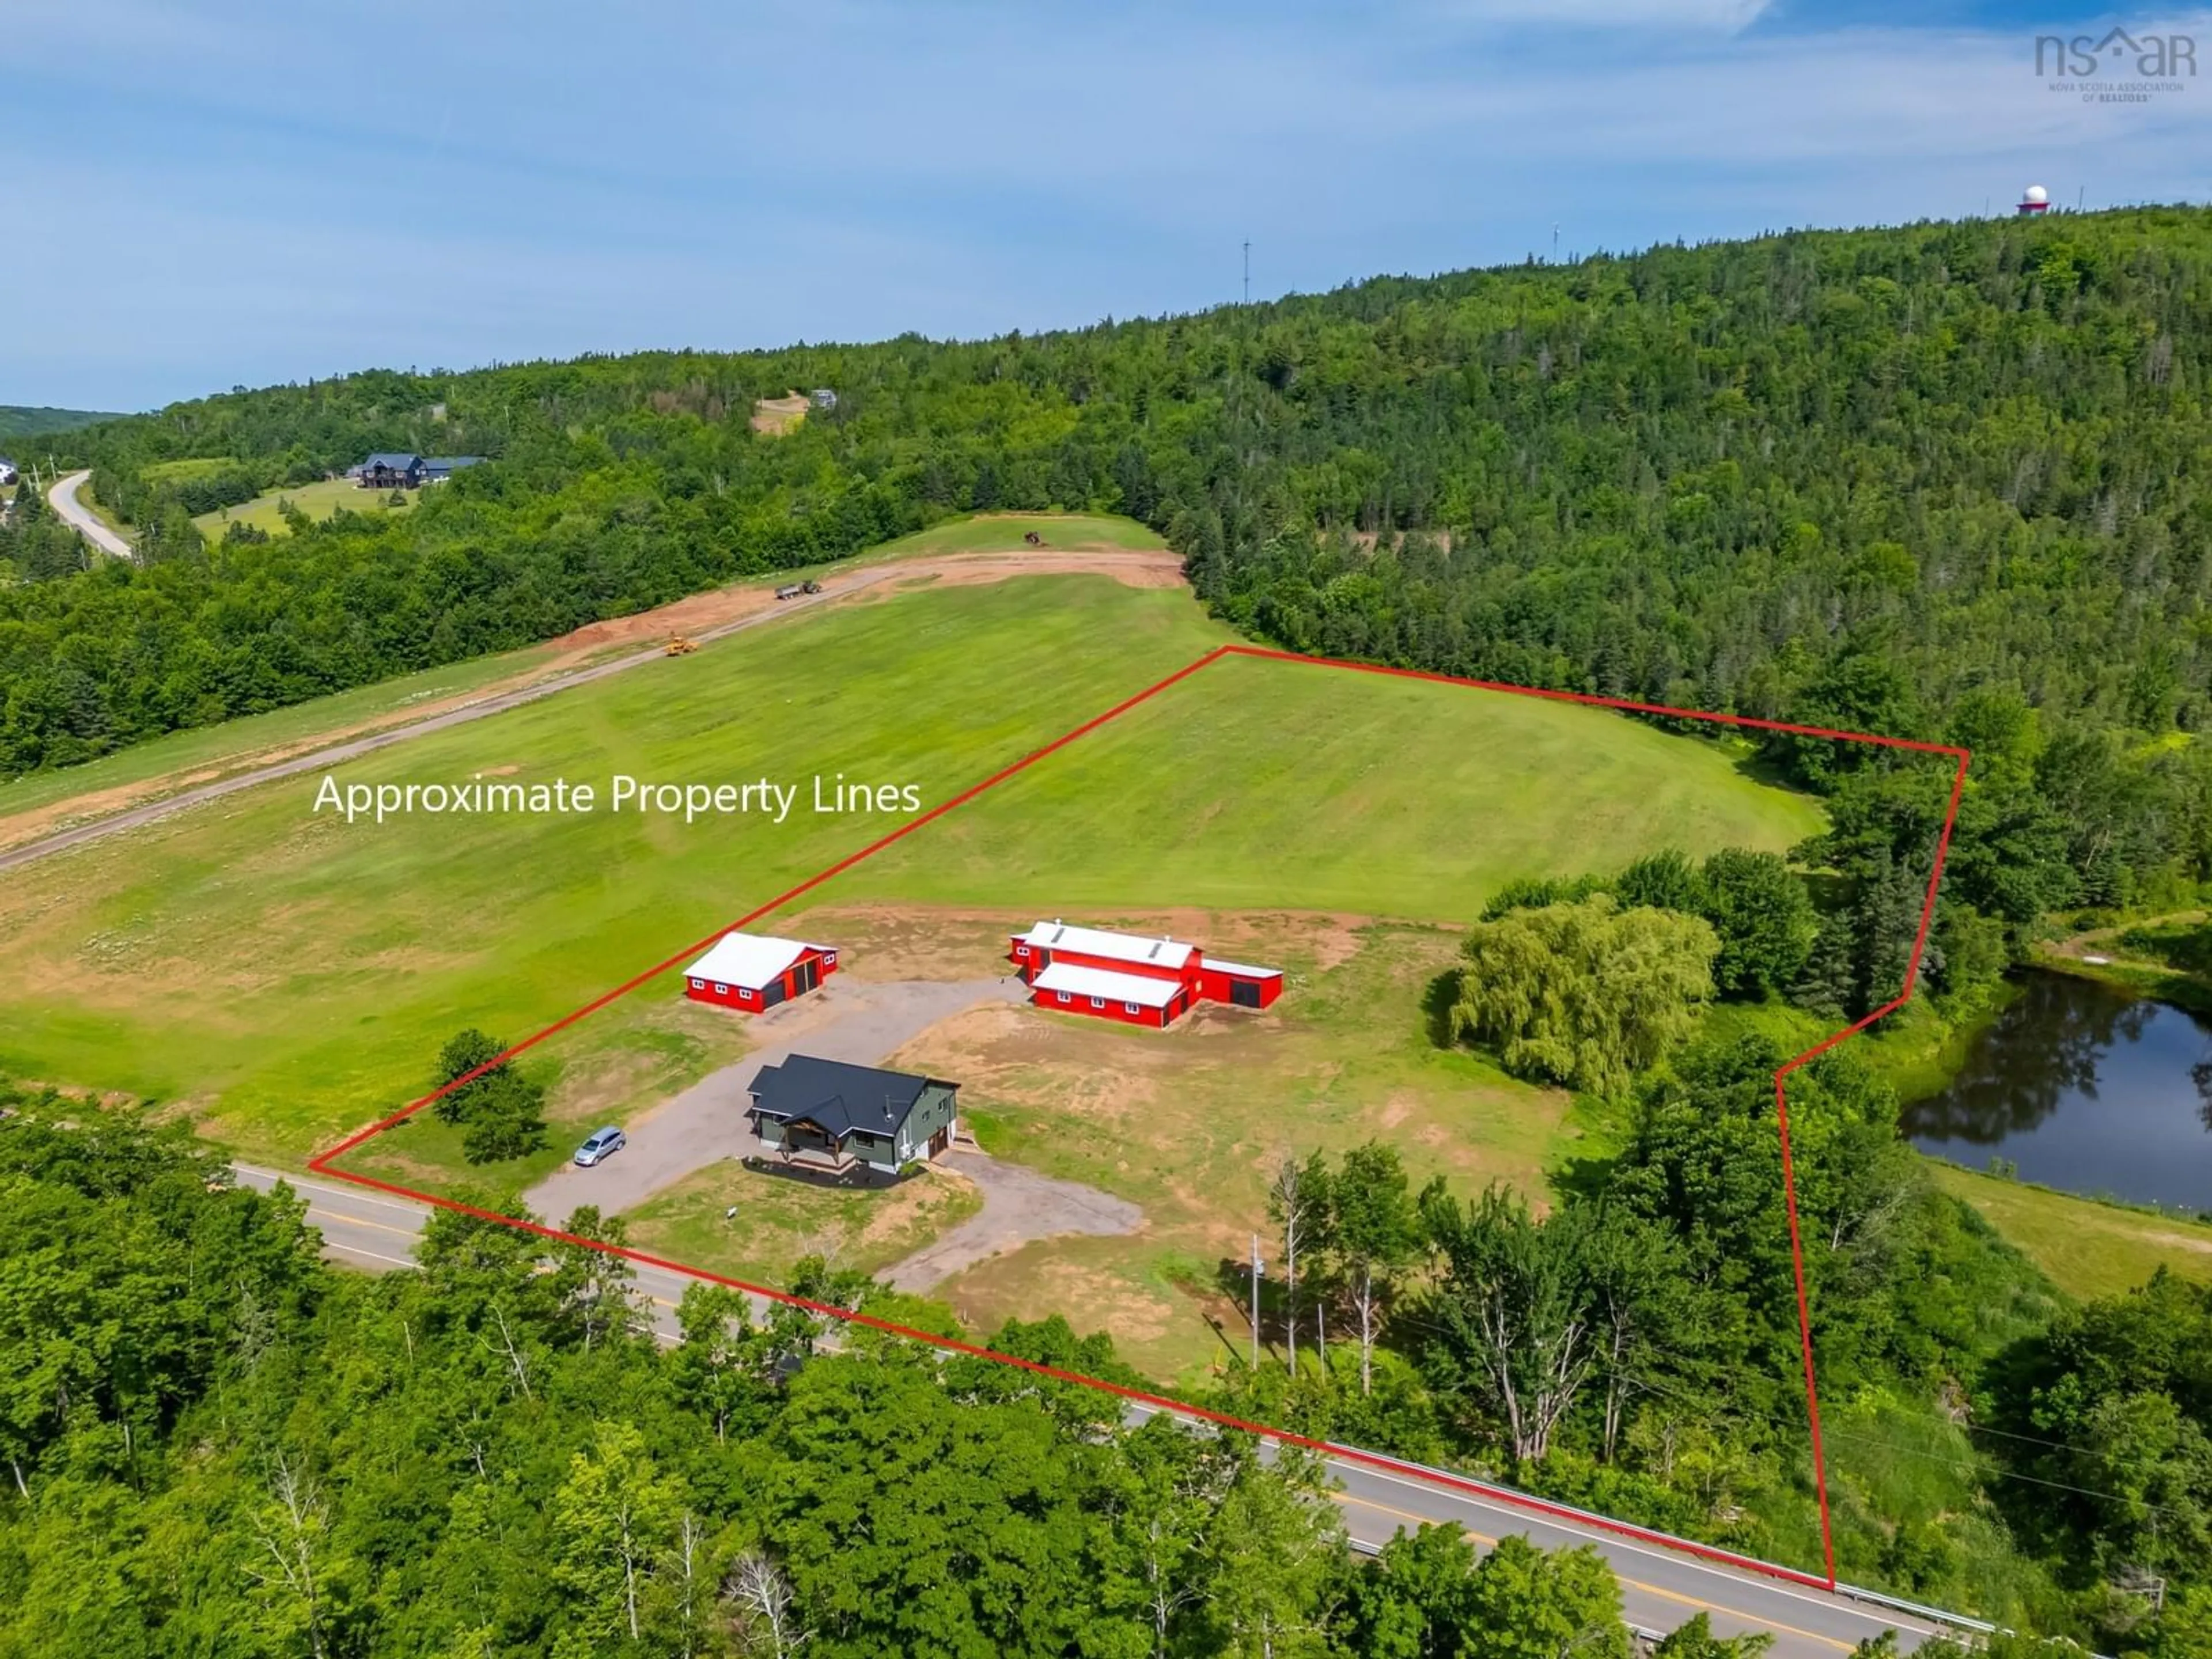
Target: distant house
x=822 y=398
x=436 y=469
x=754 y=972
x=389 y=473
x=8 y=474
x=847 y=1114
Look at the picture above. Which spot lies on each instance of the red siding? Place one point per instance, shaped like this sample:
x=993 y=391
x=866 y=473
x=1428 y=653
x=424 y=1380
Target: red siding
x=1067 y=1002
x=746 y=999
x=1198 y=982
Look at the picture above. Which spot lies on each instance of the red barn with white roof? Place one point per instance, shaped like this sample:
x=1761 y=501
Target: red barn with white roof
x=1126 y=977
x=754 y=972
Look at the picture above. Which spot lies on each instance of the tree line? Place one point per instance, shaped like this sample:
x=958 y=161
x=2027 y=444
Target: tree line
x=216 y=1444
x=1937 y=480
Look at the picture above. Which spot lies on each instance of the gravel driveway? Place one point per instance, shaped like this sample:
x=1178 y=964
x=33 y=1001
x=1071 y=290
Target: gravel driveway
x=706 y=1123
x=1019 y=1206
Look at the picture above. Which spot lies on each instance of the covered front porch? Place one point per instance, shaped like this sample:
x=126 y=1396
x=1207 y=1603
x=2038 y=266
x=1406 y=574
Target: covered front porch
x=801 y=1143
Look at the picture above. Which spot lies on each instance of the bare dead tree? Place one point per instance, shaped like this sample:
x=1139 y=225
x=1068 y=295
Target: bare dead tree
x=760 y=1600
x=289 y=1530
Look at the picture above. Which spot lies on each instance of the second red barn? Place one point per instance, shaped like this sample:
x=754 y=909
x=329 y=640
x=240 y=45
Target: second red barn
x=1124 y=977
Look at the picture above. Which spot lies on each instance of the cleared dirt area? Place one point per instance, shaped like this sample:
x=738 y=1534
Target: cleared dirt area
x=590 y=650
x=777 y=416
x=1185 y=1126
x=1020 y=1207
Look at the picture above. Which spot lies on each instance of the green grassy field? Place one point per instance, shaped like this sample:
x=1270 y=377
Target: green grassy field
x=991 y=532
x=210 y=751
x=318 y=499
x=198 y=466
x=2085 y=1248
x=1261 y=784
x=288 y=976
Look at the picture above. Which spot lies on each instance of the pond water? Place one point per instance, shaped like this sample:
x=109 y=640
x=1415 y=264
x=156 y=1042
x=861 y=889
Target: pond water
x=2084 y=1088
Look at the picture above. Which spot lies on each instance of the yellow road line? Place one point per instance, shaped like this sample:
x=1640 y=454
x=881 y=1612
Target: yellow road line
x=1633 y=1583
x=356 y=1221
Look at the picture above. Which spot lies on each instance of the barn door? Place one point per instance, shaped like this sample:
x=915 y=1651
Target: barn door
x=807 y=976
x=772 y=992
x=1244 y=994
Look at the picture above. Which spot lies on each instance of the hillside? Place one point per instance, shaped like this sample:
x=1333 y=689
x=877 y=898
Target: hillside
x=18 y=422
x=1944 y=479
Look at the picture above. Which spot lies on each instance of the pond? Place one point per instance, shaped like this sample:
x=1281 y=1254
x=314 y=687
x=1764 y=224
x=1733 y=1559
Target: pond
x=2085 y=1088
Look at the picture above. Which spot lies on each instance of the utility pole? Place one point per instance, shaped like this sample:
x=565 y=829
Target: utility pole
x=1555 y=244
x=1257 y=1269
x=1248 y=272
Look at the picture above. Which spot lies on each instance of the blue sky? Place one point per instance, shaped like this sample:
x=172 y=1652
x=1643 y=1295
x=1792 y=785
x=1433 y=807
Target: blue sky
x=207 y=192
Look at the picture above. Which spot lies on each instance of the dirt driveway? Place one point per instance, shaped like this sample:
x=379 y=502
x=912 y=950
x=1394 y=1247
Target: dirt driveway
x=1020 y=1207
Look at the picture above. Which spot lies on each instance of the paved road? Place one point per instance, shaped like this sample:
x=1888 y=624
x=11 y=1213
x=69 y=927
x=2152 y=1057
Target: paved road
x=846 y=1020
x=323 y=759
x=376 y=1233
x=1660 y=1587
x=83 y=520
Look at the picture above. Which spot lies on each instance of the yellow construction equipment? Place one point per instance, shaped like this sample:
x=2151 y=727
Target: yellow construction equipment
x=678 y=646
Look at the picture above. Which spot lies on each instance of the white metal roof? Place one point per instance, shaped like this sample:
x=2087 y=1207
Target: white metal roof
x=1109 y=987
x=1220 y=967
x=748 y=959
x=1169 y=953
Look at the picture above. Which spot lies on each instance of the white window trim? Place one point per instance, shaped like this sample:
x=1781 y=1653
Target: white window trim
x=1064 y=996
x=1098 y=1002
x=721 y=990
x=698 y=984
x=1131 y=1008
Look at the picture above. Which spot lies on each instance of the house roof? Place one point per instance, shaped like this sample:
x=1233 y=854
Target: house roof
x=1113 y=987
x=748 y=959
x=396 y=463
x=449 y=462
x=1215 y=964
x=840 y=1097
x=1171 y=955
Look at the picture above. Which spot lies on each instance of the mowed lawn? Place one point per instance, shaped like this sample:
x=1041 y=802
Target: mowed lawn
x=318 y=499
x=1258 y=784
x=2085 y=1248
x=290 y=977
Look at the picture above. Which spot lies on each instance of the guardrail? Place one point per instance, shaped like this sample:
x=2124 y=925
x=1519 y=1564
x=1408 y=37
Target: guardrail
x=1554 y=1507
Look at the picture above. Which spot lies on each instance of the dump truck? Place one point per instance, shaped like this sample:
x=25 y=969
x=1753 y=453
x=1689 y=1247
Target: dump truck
x=793 y=589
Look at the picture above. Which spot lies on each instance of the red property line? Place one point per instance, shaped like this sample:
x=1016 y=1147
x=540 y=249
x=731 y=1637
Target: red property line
x=323 y=1163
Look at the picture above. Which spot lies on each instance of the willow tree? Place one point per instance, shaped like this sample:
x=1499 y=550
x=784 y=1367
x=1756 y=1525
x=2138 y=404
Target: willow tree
x=1584 y=994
